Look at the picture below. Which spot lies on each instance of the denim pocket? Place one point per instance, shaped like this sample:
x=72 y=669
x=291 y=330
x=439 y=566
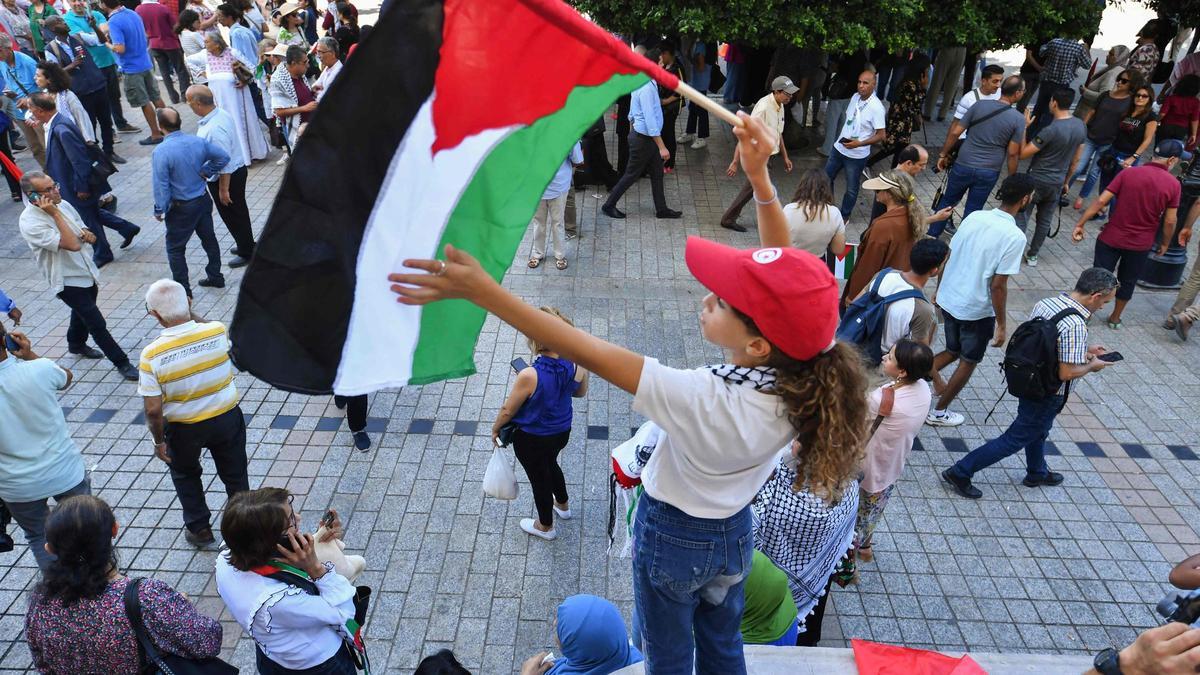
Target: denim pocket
x=680 y=565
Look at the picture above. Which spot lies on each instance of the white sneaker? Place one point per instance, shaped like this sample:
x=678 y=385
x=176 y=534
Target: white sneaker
x=1031 y=260
x=942 y=418
x=528 y=526
x=565 y=514
x=700 y=143
x=687 y=138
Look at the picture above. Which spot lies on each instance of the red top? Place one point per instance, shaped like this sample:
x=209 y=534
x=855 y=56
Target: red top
x=304 y=96
x=1179 y=110
x=1144 y=192
x=160 y=25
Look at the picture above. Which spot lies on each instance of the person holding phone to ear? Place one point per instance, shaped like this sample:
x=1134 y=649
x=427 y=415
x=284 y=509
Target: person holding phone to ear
x=540 y=406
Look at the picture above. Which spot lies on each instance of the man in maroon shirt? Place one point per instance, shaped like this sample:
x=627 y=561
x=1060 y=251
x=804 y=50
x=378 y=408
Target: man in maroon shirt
x=1149 y=196
x=164 y=45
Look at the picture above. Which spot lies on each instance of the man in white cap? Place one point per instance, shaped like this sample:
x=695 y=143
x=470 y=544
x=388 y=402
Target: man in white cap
x=866 y=122
x=769 y=109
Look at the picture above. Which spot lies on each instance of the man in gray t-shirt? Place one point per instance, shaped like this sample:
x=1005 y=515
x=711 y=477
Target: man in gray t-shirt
x=997 y=132
x=1055 y=151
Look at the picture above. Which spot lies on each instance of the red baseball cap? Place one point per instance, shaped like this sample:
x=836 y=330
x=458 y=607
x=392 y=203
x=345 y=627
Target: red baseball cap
x=790 y=294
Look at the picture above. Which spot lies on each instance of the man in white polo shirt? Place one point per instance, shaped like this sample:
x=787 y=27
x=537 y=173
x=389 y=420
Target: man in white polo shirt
x=191 y=403
x=866 y=125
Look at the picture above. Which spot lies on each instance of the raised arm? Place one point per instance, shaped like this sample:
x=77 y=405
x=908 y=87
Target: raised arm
x=755 y=141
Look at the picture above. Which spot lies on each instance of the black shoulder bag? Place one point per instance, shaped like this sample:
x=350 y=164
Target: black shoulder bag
x=952 y=156
x=164 y=663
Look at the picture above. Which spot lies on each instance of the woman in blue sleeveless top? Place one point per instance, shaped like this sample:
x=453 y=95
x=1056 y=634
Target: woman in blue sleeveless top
x=540 y=405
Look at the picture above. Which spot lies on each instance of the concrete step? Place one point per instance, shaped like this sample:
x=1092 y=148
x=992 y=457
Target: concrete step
x=829 y=661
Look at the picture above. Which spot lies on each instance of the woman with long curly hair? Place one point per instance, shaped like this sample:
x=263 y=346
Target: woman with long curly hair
x=76 y=621
x=719 y=428
x=815 y=223
x=890 y=237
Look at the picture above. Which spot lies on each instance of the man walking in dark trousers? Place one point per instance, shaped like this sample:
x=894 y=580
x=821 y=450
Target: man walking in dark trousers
x=182 y=166
x=87 y=80
x=647 y=152
x=228 y=188
x=1055 y=151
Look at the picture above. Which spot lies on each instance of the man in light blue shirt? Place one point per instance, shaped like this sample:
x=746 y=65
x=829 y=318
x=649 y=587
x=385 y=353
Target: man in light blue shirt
x=647 y=152
x=181 y=168
x=973 y=289
x=84 y=22
x=127 y=39
x=38 y=459
x=550 y=211
x=18 y=70
x=227 y=188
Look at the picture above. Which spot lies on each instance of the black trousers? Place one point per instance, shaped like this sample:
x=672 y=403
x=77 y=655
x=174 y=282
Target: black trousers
x=100 y=110
x=356 y=411
x=538 y=455
x=225 y=438
x=96 y=219
x=643 y=156
x=112 y=80
x=237 y=215
x=86 y=319
x=172 y=60
x=14 y=185
x=812 y=624
x=670 y=115
x=623 y=130
x=1126 y=264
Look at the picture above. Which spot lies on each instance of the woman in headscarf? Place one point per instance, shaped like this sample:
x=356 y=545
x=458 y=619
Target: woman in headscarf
x=770 y=615
x=592 y=637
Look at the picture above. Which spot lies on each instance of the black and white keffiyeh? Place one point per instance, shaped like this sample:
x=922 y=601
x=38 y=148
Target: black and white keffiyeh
x=762 y=379
x=801 y=534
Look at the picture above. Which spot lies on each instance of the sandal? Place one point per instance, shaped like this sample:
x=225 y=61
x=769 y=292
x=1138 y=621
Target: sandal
x=865 y=554
x=561 y=263
x=1079 y=203
x=534 y=262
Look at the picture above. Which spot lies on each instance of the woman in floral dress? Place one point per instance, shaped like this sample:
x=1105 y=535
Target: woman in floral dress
x=904 y=117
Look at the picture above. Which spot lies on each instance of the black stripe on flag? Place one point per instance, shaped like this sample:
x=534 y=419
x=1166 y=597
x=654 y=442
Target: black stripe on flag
x=293 y=309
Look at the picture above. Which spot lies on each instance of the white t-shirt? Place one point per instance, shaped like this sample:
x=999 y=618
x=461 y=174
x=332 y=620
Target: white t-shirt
x=969 y=99
x=903 y=320
x=721 y=440
x=814 y=235
x=987 y=243
x=863 y=119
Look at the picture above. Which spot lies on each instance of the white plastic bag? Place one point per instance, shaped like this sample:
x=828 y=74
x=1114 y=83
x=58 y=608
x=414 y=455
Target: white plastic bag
x=500 y=481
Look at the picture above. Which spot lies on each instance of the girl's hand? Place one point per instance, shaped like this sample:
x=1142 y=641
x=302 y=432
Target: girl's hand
x=458 y=276
x=755 y=144
x=303 y=554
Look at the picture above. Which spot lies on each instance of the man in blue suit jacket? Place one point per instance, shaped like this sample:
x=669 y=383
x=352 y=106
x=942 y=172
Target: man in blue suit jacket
x=68 y=163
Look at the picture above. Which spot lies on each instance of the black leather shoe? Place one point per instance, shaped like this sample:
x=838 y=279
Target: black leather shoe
x=115 y=158
x=150 y=140
x=102 y=262
x=962 y=485
x=733 y=226
x=129 y=240
x=1050 y=478
x=238 y=261
x=200 y=539
x=86 y=351
x=612 y=212
x=129 y=372
x=669 y=213
x=212 y=283
x=6 y=542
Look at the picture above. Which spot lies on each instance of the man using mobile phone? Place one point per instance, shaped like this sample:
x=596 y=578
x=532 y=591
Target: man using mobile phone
x=1096 y=288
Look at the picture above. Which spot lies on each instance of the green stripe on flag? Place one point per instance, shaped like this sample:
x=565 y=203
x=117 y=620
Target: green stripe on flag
x=491 y=218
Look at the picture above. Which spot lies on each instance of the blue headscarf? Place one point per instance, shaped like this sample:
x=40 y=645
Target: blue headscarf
x=593 y=638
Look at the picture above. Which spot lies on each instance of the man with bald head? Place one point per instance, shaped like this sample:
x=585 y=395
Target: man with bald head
x=181 y=167
x=228 y=188
x=866 y=125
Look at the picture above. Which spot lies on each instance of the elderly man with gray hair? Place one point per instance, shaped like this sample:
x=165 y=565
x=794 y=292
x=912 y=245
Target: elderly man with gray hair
x=62 y=248
x=228 y=187
x=191 y=403
x=331 y=65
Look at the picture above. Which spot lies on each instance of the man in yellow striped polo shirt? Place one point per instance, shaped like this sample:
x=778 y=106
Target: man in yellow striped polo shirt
x=186 y=381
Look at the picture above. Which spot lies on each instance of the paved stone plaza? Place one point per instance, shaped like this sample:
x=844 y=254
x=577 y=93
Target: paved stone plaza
x=1065 y=569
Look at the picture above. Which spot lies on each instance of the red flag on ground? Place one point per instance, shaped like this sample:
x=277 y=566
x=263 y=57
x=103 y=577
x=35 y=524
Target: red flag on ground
x=873 y=658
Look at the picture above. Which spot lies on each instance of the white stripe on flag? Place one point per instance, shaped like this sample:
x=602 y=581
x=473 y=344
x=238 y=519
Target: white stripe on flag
x=411 y=211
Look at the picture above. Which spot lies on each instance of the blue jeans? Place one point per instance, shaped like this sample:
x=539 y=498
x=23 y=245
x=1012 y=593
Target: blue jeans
x=1089 y=165
x=854 y=168
x=975 y=183
x=1029 y=430
x=31 y=517
x=688 y=575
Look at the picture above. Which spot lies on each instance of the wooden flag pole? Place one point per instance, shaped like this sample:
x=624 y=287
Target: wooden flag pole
x=699 y=98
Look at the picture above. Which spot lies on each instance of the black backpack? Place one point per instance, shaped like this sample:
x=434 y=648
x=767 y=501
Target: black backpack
x=864 y=321
x=1031 y=360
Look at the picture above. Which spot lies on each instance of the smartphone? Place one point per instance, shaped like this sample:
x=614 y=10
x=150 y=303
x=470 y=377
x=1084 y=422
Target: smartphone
x=844 y=141
x=285 y=541
x=518 y=364
x=34 y=196
x=327 y=519
x=1111 y=357
x=11 y=344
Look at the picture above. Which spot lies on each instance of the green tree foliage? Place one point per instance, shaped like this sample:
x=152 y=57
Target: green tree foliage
x=850 y=24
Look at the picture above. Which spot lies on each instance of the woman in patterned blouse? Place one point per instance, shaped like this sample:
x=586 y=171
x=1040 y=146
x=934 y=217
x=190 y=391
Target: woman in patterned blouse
x=904 y=117
x=76 y=621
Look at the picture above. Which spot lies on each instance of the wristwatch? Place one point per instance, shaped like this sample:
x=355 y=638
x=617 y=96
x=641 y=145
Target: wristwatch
x=1108 y=662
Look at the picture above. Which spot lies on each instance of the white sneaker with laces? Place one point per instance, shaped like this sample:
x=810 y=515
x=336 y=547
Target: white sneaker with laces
x=686 y=138
x=1031 y=260
x=942 y=418
x=565 y=514
x=700 y=143
x=530 y=528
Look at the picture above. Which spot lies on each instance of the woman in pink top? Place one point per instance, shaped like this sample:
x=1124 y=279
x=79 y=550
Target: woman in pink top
x=898 y=409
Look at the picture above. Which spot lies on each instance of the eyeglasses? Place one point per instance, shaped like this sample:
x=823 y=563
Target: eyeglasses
x=1141 y=96
x=1123 y=80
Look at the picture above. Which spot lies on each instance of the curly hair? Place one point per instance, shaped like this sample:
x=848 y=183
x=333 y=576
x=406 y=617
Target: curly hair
x=79 y=532
x=906 y=196
x=57 y=79
x=826 y=403
x=814 y=193
x=187 y=19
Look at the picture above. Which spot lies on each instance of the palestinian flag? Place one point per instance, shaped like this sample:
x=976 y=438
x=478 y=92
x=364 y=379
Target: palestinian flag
x=842 y=265
x=446 y=126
